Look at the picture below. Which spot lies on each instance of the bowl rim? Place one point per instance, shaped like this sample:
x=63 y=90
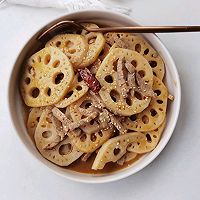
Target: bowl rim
x=115 y=177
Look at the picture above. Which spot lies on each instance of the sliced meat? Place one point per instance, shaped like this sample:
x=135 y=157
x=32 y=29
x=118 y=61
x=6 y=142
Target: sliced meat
x=120 y=43
x=117 y=124
x=66 y=122
x=97 y=102
x=67 y=113
x=95 y=66
x=75 y=125
x=104 y=52
x=122 y=160
x=136 y=82
x=48 y=108
x=131 y=83
x=104 y=118
x=126 y=158
x=58 y=126
x=130 y=67
x=62 y=117
x=88 y=111
x=171 y=97
x=85 y=157
x=131 y=78
x=122 y=74
x=143 y=88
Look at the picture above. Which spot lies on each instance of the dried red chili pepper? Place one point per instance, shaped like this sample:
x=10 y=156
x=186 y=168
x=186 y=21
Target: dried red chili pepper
x=90 y=80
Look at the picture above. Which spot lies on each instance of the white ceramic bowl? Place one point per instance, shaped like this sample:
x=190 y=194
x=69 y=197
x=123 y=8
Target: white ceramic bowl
x=172 y=80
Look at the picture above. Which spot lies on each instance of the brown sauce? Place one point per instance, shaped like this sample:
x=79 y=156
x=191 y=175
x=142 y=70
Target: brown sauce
x=85 y=167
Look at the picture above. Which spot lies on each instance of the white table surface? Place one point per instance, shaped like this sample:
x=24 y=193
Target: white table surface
x=173 y=175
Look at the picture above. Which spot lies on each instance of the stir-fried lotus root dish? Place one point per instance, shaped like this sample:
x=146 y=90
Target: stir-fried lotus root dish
x=95 y=100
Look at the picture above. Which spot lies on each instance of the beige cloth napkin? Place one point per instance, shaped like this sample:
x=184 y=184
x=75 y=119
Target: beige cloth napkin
x=71 y=5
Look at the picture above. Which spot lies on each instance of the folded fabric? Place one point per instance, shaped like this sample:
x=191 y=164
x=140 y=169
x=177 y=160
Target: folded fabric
x=71 y=5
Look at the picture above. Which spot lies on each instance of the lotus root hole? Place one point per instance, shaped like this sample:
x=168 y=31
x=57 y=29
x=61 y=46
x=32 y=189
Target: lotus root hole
x=153 y=63
x=92 y=122
x=116 y=151
x=72 y=51
x=115 y=65
x=69 y=44
x=158 y=92
x=31 y=70
x=79 y=78
x=86 y=104
x=130 y=145
x=83 y=137
x=63 y=110
x=159 y=101
x=102 y=52
x=128 y=101
x=138 y=48
x=160 y=109
x=145 y=119
x=35 y=92
x=65 y=149
x=118 y=35
x=58 y=43
x=27 y=80
x=100 y=134
x=69 y=94
x=48 y=91
x=148 y=138
x=146 y=51
x=115 y=96
x=134 y=63
x=92 y=40
x=109 y=79
x=141 y=73
x=133 y=117
x=138 y=95
x=46 y=134
x=153 y=112
x=116 y=132
x=56 y=63
x=47 y=59
x=155 y=136
x=78 y=88
x=58 y=78
x=93 y=137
